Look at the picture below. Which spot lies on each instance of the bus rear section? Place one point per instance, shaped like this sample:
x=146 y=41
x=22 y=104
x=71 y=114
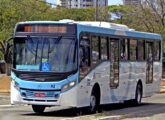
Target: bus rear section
x=117 y=66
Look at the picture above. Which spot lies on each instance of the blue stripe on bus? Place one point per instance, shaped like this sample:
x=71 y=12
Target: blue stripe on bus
x=85 y=28
x=44 y=85
x=143 y=35
x=102 y=30
x=110 y=31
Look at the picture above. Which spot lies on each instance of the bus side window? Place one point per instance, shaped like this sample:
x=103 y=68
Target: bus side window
x=84 y=55
x=133 y=50
x=157 y=51
x=95 y=50
x=104 y=48
x=141 y=52
x=124 y=49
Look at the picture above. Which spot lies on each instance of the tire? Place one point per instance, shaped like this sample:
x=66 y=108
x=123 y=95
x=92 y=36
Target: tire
x=38 y=108
x=138 y=95
x=93 y=104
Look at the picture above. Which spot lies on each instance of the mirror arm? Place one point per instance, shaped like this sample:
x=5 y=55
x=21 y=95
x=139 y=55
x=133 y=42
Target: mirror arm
x=7 y=48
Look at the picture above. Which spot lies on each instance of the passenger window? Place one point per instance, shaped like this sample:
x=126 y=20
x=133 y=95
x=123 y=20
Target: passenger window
x=133 y=50
x=124 y=49
x=141 y=50
x=104 y=51
x=95 y=50
x=149 y=59
x=84 y=55
x=157 y=51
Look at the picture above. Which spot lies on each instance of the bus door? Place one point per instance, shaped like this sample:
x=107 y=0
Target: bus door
x=149 y=62
x=114 y=68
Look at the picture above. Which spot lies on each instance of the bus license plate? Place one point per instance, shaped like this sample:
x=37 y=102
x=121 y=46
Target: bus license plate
x=39 y=94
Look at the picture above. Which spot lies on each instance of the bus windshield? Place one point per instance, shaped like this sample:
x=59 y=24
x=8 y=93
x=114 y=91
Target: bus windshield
x=45 y=54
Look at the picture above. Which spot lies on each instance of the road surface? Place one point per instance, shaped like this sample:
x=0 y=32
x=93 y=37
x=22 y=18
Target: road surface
x=152 y=108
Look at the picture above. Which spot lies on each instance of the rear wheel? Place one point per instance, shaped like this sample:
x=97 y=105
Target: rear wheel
x=138 y=95
x=38 y=108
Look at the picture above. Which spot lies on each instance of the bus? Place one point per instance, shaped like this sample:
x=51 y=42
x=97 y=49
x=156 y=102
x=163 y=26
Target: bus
x=82 y=64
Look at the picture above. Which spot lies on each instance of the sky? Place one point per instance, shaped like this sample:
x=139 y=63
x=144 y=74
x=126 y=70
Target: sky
x=115 y=2
x=110 y=2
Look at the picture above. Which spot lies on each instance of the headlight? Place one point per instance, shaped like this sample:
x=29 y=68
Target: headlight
x=15 y=84
x=72 y=83
x=68 y=86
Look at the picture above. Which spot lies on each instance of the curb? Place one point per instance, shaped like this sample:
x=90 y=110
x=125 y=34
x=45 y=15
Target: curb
x=4 y=91
x=162 y=91
x=110 y=117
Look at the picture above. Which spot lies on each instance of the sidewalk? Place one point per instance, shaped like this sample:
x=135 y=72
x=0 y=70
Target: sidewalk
x=162 y=87
x=4 y=83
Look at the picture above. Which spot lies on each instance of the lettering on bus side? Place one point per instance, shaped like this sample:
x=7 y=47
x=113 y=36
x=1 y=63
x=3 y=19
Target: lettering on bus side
x=53 y=86
x=88 y=82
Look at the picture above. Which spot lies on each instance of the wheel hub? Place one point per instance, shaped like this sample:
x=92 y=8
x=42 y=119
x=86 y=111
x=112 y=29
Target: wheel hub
x=93 y=102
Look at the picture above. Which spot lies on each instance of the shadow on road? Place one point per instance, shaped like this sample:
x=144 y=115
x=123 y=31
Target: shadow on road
x=124 y=110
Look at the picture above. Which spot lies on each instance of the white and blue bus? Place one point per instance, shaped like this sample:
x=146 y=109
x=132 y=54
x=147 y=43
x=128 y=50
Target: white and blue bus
x=83 y=64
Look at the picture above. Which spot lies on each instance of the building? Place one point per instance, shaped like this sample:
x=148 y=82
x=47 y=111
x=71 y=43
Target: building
x=81 y=3
x=62 y=3
x=131 y=2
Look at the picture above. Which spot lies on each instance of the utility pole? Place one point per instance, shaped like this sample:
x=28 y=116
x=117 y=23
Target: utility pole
x=96 y=10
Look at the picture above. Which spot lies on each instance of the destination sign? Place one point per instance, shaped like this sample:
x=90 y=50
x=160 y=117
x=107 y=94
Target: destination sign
x=45 y=28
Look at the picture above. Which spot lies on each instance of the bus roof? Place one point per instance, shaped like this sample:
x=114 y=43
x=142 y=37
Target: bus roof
x=102 y=28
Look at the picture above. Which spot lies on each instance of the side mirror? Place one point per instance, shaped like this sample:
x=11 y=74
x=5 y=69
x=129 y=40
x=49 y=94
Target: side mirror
x=7 y=54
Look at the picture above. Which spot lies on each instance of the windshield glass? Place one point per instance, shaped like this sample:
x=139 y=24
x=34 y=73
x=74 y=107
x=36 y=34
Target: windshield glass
x=45 y=54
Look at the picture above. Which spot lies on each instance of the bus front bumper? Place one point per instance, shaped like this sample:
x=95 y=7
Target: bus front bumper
x=67 y=99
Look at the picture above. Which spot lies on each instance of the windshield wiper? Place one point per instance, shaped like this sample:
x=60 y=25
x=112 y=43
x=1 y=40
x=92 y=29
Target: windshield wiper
x=36 y=52
x=51 y=49
x=32 y=50
x=30 y=39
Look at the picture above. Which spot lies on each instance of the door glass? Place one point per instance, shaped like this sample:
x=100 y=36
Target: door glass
x=114 y=59
x=133 y=50
x=84 y=53
x=149 y=58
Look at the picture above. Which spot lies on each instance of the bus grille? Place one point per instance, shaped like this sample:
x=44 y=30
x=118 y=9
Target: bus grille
x=29 y=94
x=39 y=76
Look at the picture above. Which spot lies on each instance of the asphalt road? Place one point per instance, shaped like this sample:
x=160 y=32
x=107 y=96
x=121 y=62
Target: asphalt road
x=152 y=108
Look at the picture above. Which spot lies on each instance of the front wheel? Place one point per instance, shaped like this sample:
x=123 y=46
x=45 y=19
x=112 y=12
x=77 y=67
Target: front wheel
x=138 y=95
x=93 y=104
x=38 y=108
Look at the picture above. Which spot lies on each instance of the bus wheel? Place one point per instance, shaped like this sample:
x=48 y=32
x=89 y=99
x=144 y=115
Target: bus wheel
x=138 y=95
x=38 y=108
x=93 y=104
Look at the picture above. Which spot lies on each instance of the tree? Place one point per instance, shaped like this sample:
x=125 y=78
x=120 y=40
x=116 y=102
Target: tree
x=13 y=11
x=148 y=17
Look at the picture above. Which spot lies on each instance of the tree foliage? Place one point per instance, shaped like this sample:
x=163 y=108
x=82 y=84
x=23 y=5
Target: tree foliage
x=13 y=11
x=148 y=17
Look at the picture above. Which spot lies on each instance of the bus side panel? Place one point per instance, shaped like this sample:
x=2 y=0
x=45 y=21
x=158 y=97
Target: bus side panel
x=83 y=91
x=104 y=82
x=157 y=76
x=130 y=74
x=154 y=87
x=98 y=75
x=125 y=83
x=138 y=73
